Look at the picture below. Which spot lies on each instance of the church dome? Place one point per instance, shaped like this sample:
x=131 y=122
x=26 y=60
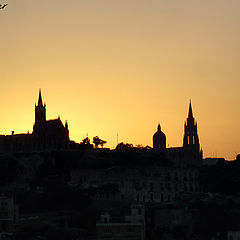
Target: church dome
x=159 y=139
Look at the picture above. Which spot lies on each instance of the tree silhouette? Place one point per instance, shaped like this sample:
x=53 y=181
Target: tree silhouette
x=139 y=146
x=85 y=141
x=124 y=146
x=97 y=141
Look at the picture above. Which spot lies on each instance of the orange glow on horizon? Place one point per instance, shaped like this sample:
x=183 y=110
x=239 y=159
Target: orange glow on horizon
x=119 y=67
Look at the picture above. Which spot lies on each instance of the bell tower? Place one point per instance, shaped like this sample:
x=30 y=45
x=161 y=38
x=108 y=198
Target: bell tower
x=40 y=112
x=191 y=144
x=190 y=131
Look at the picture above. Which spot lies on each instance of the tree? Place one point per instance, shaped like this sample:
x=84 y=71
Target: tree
x=85 y=141
x=85 y=144
x=97 y=141
x=124 y=146
x=139 y=146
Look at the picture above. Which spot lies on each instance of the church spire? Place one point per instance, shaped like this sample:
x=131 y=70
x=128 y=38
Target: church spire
x=191 y=144
x=40 y=103
x=190 y=130
x=190 y=114
x=40 y=111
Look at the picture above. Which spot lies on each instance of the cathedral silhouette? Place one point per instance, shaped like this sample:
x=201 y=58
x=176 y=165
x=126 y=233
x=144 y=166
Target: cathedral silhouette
x=47 y=134
x=190 y=153
x=53 y=135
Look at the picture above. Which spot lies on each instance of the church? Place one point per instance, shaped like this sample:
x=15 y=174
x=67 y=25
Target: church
x=46 y=135
x=157 y=174
x=190 y=153
x=54 y=135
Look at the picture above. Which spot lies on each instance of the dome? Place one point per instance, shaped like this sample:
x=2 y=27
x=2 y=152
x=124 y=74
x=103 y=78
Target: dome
x=159 y=139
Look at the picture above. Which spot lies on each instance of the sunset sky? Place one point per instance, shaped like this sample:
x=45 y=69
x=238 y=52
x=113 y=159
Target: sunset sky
x=121 y=66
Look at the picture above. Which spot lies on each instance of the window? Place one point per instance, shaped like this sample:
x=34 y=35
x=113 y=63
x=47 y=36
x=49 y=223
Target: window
x=190 y=177
x=130 y=229
x=185 y=177
x=162 y=197
x=4 y=204
x=168 y=176
x=139 y=211
x=151 y=187
x=151 y=196
x=107 y=230
x=169 y=187
x=176 y=176
x=162 y=187
x=138 y=198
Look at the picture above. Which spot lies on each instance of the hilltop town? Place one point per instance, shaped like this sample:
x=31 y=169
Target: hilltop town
x=54 y=188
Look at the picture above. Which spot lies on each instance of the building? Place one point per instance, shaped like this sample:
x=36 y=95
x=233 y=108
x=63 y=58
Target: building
x=128 y=227
x=8 y=214
x=162 y=219
x=149 y=184
x=159 y=139
x=190 y=153
x=145 y=175
x=46 y=135
x=233 y=235
x=212 y=161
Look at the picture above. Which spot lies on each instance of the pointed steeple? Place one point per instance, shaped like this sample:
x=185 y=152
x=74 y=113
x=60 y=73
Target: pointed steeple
x=40 y=112
x=40 y=103
x=190 y=114
x=190 y=130
x=159 y=128
x=66 y=129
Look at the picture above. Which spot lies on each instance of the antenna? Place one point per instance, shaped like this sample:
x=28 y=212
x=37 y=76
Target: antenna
x=117 y=138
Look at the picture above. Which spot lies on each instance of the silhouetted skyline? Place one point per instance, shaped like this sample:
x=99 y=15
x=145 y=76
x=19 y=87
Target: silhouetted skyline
x=54 y=135
x=120 y=67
